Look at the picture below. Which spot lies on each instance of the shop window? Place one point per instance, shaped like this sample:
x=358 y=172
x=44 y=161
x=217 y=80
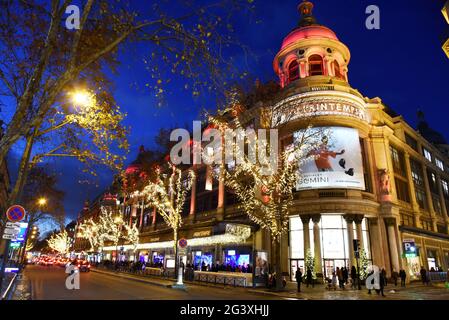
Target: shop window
x=439 y=164
x=337 y=70
x=402 y=190
x=427 y=154
x=411 y=142
x=315 y=65
x=293 y=71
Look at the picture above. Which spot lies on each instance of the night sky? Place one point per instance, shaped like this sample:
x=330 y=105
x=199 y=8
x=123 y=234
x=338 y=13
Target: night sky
x=402 y=63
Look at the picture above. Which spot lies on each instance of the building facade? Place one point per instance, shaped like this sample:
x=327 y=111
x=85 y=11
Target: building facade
x=374 y=178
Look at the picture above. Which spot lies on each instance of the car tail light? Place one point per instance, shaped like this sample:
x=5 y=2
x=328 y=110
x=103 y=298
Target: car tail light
x=88 y=265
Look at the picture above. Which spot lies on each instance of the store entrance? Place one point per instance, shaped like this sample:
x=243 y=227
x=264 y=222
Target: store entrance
x=330 y=265
x=294 y=265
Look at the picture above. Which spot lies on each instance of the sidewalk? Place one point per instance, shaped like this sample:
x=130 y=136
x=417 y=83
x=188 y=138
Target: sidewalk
x=414 y=291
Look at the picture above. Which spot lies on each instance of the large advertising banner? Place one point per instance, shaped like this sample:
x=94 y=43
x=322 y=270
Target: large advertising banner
x=335 y=163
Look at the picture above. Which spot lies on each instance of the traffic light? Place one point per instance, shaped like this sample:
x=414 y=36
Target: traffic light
x=356 y=244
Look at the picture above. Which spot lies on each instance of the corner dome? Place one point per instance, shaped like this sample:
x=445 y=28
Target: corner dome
x=315 y=31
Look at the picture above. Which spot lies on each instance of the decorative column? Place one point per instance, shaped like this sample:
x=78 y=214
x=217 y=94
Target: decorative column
x=429 y=199
x=193 y=197
x=350 y=233
x=306 y=235
x=153 y=223
x=377 y=248
x=221 y=194
x=302 y=68
x=141 y=216
x=358 y=229
x=317 y=243
x=393 y=243
x=411 y=187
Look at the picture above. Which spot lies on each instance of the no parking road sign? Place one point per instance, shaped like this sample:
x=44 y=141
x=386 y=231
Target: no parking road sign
x=15 y=213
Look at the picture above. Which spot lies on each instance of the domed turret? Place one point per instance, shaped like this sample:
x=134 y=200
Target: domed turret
x=311 y=50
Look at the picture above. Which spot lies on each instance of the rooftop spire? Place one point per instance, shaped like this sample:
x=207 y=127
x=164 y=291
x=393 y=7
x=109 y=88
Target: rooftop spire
x=305 y=8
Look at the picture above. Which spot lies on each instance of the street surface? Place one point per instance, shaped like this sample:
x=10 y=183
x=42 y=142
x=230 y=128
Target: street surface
x=48 y=283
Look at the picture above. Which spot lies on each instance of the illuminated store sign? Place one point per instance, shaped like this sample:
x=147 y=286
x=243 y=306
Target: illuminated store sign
x=317 y=104
x=335 y=163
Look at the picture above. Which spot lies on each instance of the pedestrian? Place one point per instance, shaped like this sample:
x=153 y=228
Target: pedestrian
x=382 y=281
x=309 y=278
x=395 y=276
x=298 y=277
x=384 y=274
x=340 y=278
x=353 y=276
x=334 y=280
x=403 y=276
x=423 y=274
x=345 y=275
x=369 y=285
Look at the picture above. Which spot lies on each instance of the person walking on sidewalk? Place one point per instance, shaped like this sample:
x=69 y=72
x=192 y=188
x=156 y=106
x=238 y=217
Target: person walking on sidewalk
x=395 y=276
x=298 y=277
x=423 y=274
x=340 y=278
x=310 y=278
x=403 y=276
x=354 y=277
x=382 y=281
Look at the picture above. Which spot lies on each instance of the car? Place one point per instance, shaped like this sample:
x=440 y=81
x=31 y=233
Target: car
x=82 y=265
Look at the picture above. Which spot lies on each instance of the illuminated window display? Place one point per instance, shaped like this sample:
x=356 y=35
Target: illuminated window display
x=334 y=242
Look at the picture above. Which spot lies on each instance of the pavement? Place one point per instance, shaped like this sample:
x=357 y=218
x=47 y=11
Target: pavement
x=48 y=283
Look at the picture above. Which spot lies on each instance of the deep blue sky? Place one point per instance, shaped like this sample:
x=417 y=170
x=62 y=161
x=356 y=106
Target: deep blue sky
x=402 y=63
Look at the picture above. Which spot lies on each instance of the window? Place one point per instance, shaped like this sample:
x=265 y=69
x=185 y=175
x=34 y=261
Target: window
x=407 y=220
x=439 y=164
x=315 y=65
x=427 y=154
x=293 y=71
x=398 y=161
x=427 y=225
x=417 y=175
x=441 y=228
x=411 y=142
x=432 y=181
x=337 y=70
x=445 y=186
x=421 y=198
x=437 y=205
x=402 y=190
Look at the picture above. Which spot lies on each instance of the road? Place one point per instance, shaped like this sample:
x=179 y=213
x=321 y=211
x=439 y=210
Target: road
x=48 y=283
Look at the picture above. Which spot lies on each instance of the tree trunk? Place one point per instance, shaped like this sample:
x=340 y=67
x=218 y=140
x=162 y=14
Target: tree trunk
x=23 y=170
x=175 y=239
x=277 y=266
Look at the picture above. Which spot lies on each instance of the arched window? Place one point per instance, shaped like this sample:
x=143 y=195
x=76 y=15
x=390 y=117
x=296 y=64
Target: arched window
x=337 y=71
x=293 y=71
x=315 y=65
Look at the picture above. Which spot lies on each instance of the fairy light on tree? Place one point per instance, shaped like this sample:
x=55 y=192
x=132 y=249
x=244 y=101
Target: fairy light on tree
x=60 y=242
x=168 y=197
x=265 y=193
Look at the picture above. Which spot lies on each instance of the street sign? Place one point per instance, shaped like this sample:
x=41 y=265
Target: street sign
x=182 y=243
x=9 y=236
x=23 y=230
x=12 y=224
x=410 y=249
x=14 y=231
x=356 y=245
x=14 y=244
x=15 y=213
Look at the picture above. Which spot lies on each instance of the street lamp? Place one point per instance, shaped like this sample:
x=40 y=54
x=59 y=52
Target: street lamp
x=81 y=98
x=42 y=202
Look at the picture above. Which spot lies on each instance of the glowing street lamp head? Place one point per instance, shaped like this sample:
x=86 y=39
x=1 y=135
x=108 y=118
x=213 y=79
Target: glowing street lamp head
x=81 y=98
x=42 y=201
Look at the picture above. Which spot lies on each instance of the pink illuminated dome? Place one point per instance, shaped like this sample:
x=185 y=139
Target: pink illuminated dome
x=314 y=31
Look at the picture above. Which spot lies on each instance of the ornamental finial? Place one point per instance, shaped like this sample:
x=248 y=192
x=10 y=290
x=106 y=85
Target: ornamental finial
x=305 y=8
